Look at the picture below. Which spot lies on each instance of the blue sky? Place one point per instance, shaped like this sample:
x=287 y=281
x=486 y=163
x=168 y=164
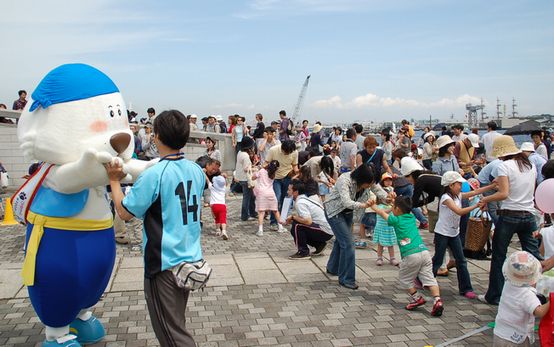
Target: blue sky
x=369 y=60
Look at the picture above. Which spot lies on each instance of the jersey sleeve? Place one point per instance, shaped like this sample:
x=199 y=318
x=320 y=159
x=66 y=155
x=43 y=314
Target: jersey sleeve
x=393 y=220
x=143 y=194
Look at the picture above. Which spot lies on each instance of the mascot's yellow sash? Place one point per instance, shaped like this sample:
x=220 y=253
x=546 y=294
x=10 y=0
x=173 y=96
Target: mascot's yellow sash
x=39 y=223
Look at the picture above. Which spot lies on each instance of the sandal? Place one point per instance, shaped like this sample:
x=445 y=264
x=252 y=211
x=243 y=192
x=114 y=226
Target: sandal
x=218 y=234
x=360 y=244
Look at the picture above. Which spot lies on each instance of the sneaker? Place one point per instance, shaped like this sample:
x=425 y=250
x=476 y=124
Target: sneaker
x=483 y=300
x=224 y=235
x=470 y=295
x=412 y=305
x=437 y=308
x=260 y=233
x=442 y=272
x=379 y=261
x=352 y=286
x=368 y=233
x=424 y=226
x=319 y=249
x=281 y=229
x=273 y=227
x=299 y=256
x=394 y=262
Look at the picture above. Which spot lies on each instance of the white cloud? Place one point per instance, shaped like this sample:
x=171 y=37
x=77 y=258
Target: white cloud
x=371 y=100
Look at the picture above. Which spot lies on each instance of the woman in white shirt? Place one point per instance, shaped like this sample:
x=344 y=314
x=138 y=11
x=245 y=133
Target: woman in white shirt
x=516 y=186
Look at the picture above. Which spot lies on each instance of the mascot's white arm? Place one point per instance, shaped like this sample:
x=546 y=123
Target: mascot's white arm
x=85 y=173
x=133 y=168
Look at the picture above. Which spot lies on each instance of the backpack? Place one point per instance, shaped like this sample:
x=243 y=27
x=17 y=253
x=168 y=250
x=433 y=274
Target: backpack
x=222 y=127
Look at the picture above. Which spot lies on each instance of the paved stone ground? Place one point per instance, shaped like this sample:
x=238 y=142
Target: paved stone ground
x=258 y=297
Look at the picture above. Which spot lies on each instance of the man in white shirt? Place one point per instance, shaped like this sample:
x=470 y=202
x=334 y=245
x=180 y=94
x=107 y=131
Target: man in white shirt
x=348 y=151
x=458 y=131
x=309 y=224
x=488 y=140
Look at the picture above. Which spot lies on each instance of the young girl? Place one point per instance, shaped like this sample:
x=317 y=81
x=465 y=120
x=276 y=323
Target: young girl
x=384 y=235
x=218 y=206
x=447 y=229
x=519 y=304
x=327 y=177
x=265 y=196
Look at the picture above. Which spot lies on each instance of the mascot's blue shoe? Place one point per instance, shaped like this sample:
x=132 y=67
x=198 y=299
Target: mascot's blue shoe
x=89 y=331
x=63 y=342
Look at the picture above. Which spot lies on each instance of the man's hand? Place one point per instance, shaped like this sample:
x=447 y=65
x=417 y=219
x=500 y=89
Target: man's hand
x=289 y=220
x=115 y=171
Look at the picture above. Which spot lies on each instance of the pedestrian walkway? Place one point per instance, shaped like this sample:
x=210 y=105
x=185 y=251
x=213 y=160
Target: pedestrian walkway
x=257 y=296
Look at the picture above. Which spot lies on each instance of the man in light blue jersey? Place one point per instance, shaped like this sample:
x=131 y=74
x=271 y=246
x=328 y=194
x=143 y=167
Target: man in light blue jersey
x=167 y=196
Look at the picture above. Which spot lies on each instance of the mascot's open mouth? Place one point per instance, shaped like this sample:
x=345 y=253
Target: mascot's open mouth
x=120 y=142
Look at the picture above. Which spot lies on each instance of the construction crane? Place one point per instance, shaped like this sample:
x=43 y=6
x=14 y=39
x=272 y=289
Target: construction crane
x=472 y=118
x=298 y=106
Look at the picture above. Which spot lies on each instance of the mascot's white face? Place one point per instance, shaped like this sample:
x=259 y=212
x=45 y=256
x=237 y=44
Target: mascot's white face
x=61 y=133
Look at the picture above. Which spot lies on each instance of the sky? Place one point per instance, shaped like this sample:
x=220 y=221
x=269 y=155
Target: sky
x=368 y=60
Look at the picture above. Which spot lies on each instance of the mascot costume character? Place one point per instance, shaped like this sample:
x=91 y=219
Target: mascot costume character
x=75 y=123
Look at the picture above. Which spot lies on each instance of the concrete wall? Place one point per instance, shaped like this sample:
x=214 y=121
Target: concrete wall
x=11 y=156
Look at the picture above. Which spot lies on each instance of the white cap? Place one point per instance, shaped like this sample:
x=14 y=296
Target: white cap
x=443 y=141
x=527 y=147
x=474 y=139
x=193 y=116
x=522 y=269
x=450 y=177
x=409 y=165
x=219 y=182
x=218 y=118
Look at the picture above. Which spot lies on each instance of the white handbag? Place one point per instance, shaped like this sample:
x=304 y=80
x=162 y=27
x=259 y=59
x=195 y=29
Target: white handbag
x=4 y=179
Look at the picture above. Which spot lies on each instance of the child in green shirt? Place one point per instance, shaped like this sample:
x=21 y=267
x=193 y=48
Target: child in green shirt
x=416 y=264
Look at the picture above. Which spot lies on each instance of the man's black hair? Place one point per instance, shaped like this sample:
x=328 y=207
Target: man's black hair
x=305 y=120
x=404 y=203
x=363 y=174
x=492 y=125
x=172 y=129
x=548 y=169
x=298 y=186
x=21 y=92
x=536 y=132
x=288 y=146
x=359 y=128
x=313 y=150
x=458 y=126
x=350 y=133
x=282 y=112
x=151 y=110
x=269 y=130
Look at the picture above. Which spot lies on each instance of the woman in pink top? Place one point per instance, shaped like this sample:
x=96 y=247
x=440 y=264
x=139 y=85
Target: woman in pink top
x=265 y=196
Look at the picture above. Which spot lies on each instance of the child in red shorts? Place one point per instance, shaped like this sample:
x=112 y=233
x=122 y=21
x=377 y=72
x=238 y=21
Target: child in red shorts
x=217 y=204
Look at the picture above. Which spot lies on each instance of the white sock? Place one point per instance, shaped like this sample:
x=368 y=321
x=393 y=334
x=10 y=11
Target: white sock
x=84 y=315
x=55 y=333
x=260 y=228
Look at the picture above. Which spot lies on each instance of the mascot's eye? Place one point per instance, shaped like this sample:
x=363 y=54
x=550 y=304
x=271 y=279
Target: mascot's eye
x=111 y=113
x=119 y=112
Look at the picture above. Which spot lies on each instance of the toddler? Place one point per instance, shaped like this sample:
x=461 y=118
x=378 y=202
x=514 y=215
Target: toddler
x=416 y=260
x=327 y=177
x=384 y=235
x=519 y=304
x=218 y=206
x=265 y=196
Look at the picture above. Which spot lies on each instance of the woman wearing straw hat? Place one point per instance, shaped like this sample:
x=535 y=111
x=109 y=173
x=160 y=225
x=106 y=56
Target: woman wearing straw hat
x=515 y=174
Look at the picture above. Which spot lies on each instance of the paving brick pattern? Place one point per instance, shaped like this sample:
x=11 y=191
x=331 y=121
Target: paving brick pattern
x=258 y=297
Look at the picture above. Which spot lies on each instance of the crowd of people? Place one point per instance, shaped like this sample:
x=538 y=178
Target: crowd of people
x=318 y=187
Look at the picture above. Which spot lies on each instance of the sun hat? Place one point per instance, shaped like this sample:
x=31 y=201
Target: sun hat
x=317 y=128
x=474 y=139
x=450 y=177
x=444 y=140
x=527 y=147
x=218 y=182
x=503 y=146
x=385 y=176
x=521 y=269
x=409 y=165
x=427 y=135
x=218 y=118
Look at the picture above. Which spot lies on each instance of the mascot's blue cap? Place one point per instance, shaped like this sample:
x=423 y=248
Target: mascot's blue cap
x=71 y=82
